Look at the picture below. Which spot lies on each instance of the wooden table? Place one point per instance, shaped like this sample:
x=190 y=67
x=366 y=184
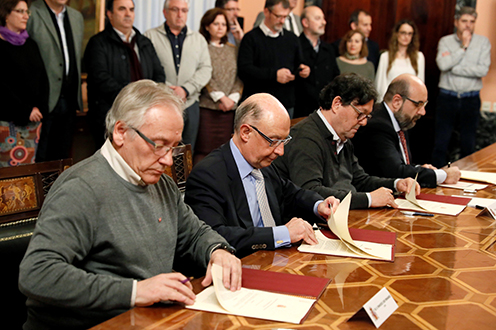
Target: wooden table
x=443 y=277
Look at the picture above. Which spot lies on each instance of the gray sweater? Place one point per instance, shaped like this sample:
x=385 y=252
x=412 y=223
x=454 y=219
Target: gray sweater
x=96 y=233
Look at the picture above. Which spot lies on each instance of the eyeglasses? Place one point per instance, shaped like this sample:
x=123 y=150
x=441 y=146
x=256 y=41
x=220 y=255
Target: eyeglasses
x=232 y=9
x=160 y=149
x=176 y=10
x=361 y=115
x=404 y=33
x=279 y=17
x=22 y=11
x=418 y=104
x=272 y=143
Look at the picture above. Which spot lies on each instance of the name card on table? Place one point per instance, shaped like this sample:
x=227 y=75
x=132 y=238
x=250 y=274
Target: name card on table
x=378 y=308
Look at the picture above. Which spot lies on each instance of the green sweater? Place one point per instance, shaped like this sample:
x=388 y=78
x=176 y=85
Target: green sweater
x=96 y=233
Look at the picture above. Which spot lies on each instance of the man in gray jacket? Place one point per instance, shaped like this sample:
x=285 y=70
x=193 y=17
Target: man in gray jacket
x=186 y=61
x=58 y=31
x=113 y=225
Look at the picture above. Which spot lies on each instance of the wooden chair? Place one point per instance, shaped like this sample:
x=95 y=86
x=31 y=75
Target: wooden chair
x=183 y=164
x=22 y=192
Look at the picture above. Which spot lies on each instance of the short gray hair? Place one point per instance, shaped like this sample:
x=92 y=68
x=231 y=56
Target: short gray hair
x=249 y=110
x=167 y=2
x=134 y=100
x=466 y=11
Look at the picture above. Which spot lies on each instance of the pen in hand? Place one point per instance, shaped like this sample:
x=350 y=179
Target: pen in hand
x=186 y=280
x=449 y=164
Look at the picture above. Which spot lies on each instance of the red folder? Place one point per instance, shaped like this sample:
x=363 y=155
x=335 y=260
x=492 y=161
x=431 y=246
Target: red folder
x=443 y=199
x=294 y=285
x=366 y=235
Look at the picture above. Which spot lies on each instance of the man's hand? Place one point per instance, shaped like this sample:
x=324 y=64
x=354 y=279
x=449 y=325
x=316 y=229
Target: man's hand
x=453 y=174
x=164 y=287
x=466 y=37
x=304 y=70
x=231 y=266
x=226 y=104
x=404 y=185
x=284 y=76
x=179 y=91
x=382 y=197
x=429 y=166
x=299 y=230
x=236 y=30
x=324 y=207
x=35 y=115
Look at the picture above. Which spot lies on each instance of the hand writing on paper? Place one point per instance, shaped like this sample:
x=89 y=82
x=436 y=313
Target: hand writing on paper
x=164 y=287
x=382 y=197
x=453 y=174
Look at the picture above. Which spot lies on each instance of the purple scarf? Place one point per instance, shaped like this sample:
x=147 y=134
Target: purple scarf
x=12 y=37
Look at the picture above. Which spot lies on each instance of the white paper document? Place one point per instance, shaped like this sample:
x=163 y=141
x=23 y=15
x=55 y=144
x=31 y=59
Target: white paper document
x=479 y=176
x=411 y=203
x=478 y=201
x=345 y=245
x=465 y=186
x=251 y=303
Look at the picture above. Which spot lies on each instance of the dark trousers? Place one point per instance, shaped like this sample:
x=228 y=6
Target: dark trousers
x=191 y=124
x=57 y=132
x=453 y=112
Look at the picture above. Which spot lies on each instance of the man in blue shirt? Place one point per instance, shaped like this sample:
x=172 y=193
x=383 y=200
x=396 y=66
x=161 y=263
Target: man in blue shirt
x=222 y=188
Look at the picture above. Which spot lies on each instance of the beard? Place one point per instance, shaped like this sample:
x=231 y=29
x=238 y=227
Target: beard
x=404 y=120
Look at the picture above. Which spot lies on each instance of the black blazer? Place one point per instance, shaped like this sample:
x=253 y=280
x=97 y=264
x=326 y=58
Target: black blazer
x=323 y=69
x=379 y=152
x=215 y=192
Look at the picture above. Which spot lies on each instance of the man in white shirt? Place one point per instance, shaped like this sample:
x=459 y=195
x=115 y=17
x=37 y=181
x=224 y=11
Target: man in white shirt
x=292 y=22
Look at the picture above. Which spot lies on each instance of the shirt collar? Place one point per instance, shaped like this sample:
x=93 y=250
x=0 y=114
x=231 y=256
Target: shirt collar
x=396 y=125
x=268 y=32
x=123 y=36
x=168 y=30
x=119 y=165
x=62 y=13
x=316 y=48
x=244 y=168
x=335 y=136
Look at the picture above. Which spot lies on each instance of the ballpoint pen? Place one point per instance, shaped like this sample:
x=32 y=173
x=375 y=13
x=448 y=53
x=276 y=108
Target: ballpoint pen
x=417 y=213
x=186 y=280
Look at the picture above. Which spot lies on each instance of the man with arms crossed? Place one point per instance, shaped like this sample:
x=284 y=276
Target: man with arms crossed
x=238 y=193
x=382 y=146
x=322 y=158
x=112 y=225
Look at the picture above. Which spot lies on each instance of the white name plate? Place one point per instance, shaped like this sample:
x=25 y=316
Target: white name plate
x=379 y=307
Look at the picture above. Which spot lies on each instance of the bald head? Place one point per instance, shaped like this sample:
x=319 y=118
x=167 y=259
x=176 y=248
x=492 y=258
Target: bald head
x=261 y=125
x=313 y=21
x=406 y=97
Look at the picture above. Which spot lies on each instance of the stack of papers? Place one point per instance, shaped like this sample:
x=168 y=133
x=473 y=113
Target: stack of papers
x=351 y=242
x=290 y=299
x=479 y=176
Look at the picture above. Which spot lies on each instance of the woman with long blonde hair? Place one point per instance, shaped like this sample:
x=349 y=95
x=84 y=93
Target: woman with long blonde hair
x=402 y=56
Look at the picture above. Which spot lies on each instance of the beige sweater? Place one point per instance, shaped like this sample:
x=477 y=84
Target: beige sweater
x=224 y=75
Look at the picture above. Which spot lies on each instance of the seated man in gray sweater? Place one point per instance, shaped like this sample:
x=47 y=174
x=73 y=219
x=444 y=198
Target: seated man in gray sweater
x=112 y=225
x=321 y=157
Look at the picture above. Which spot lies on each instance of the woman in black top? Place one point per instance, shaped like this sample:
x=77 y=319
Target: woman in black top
x=23 y=86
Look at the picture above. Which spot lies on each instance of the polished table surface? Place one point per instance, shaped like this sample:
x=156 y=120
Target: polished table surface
x=443 y=276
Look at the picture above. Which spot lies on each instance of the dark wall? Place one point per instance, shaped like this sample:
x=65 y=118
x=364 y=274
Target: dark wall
x=434 y=20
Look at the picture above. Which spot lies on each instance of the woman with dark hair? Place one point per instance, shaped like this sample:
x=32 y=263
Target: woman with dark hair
x=23 y=86
x=403 y=56
x=353 y=50
x=220 y=96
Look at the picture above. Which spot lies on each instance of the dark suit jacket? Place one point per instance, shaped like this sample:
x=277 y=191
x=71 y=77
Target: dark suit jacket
x=310 y=160
x=215 y=192
x=374 y=51
x=323 y=69
x=379 y=152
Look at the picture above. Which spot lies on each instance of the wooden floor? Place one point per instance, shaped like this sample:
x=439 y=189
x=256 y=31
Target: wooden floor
x=443 y=276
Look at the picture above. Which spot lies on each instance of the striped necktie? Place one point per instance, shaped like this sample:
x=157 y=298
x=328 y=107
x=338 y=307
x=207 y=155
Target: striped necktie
x=263 y=202
x=405 y=148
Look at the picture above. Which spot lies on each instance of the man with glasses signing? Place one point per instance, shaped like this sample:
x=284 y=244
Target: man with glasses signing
x=236 y=191
x=322 y=158
x=383 y=146
x=113 y=225
x=186 y=60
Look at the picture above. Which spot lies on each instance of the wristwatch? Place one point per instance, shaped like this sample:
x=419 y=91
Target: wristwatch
x=224 y=246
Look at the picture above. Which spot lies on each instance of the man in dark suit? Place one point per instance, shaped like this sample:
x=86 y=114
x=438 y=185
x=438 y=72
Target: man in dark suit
x=118 y=55
x=362 y=21
x=319 y=56
x=321 y=157
x=223 y=189
x=382 y=145
x=58 y=31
